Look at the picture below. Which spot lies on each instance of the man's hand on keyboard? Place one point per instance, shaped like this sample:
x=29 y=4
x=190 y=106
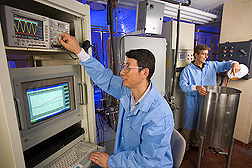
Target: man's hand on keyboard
x=99 y=158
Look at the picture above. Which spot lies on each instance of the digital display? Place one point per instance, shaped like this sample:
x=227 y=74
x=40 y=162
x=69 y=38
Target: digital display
x=182 y=56
x=48 y=101
x=27 y=28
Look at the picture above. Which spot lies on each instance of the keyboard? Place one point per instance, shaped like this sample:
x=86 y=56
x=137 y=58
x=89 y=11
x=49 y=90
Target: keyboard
x=72 y=157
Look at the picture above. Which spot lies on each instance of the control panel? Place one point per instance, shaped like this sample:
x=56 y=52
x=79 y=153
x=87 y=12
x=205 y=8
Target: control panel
x=26 y=29
x=237 y=51
x=184 y=58
x=56 y=28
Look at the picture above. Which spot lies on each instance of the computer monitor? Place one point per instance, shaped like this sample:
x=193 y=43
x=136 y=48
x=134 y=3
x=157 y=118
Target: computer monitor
x=46 y=100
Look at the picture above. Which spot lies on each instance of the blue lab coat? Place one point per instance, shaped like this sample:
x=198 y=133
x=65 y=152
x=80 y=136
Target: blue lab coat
x=143 y=135
x=192 y=75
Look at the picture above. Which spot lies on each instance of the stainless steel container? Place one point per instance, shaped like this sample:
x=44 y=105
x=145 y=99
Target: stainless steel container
x=218 y=115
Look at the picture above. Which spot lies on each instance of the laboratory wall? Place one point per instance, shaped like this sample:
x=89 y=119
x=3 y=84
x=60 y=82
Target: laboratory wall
x=237 y=26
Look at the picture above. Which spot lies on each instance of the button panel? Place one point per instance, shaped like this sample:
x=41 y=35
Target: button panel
x=184 y=58
x=237 y=51
x=57 y=28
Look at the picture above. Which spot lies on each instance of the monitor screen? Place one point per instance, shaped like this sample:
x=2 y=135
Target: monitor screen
x=27 y=28
x=48 y=101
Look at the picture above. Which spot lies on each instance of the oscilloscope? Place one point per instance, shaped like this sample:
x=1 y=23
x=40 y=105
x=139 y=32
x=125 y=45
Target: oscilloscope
x=26 y=29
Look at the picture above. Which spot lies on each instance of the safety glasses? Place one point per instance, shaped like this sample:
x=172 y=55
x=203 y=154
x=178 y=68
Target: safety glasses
x=127 y=68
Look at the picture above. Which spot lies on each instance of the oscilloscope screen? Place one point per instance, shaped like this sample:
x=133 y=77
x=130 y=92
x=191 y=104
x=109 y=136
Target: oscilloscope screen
x=27 y=28
x=48 y=101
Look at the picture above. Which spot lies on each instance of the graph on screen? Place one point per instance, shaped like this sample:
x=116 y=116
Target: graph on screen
x=27 y=28
x=48 y=101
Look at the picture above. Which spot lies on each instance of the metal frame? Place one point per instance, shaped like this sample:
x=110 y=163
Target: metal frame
x=10 y=139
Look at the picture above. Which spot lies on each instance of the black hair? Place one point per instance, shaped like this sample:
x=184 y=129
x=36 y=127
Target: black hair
x=144 y=58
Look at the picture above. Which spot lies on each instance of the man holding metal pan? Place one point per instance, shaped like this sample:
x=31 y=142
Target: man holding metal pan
x=194 y=77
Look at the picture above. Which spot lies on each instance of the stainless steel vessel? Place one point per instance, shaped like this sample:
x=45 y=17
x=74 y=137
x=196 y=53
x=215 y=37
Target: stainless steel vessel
x=218 y=115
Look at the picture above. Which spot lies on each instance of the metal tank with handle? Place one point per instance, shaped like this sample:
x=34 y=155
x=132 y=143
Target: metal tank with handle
x=217 y=118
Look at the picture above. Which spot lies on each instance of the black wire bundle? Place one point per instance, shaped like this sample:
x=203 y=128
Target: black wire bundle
x=68 y=52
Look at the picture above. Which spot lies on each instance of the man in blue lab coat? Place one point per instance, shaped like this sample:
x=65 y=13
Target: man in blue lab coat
x=194 y=77
x=145 y=122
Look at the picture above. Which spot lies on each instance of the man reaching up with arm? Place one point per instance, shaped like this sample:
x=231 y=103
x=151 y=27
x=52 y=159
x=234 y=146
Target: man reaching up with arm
x=145 y=122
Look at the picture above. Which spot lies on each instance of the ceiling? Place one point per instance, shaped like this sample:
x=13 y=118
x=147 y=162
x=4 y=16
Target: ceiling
x=127 y=13
x=208 y=5
x=212 y=6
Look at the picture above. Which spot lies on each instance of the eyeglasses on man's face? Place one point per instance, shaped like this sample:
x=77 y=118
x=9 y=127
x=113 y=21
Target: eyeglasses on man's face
x=127 y=68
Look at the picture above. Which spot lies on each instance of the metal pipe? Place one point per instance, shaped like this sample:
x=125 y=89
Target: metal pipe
x=177 y=3
x=103 y=53
x=93 y=28
x=203 y=31
x=111 y=26
x=230 y=153
x=223 y=152
x=200 y=150
x=176 y=54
